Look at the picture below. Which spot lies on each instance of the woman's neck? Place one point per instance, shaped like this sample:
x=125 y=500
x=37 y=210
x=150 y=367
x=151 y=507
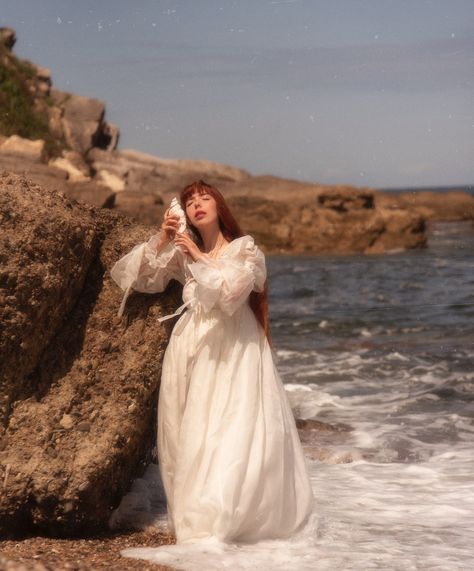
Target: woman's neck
x=211 y=238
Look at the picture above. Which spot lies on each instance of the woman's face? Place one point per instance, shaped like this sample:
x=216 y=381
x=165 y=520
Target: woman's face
x=201 y=210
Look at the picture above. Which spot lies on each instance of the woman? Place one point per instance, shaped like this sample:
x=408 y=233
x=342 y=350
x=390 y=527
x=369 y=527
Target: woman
x=229 y=453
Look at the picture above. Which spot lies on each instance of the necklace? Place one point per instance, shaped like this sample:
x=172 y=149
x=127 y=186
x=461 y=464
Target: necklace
x=217 y=248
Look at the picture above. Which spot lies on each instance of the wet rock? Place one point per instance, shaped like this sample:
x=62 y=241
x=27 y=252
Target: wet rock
x=328 y=443
x=312 y=424
x=329 y=456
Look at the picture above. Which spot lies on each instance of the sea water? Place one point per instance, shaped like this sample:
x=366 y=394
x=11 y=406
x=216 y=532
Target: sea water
x=385 y=345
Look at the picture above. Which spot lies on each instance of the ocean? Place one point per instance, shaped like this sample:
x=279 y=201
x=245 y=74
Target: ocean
x=383 y=344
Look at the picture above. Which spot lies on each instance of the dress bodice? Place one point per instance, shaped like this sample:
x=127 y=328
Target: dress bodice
x=223 y=282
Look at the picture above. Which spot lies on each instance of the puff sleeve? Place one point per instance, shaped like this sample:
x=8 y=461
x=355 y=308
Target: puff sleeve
x=226 y=282
x=146 y=270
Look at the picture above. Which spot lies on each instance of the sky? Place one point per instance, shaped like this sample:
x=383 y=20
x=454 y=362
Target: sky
x=376 y=93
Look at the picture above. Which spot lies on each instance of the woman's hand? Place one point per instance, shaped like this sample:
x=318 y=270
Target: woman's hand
x=189 y=247
x=169 y=227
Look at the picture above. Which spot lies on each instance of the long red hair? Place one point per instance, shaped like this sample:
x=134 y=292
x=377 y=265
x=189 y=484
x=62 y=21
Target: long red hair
x=230 y=229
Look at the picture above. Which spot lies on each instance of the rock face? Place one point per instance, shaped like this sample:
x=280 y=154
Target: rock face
x=319 y=220
x=47 y=249
x=66 y=121
x=78 y=386
x=446 y=206
x=82 y=120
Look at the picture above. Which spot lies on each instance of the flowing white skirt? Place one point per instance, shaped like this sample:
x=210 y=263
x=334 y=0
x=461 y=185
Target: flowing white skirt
x=230 y=456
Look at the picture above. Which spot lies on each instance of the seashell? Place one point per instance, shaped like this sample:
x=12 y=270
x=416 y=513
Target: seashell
x=175 y=208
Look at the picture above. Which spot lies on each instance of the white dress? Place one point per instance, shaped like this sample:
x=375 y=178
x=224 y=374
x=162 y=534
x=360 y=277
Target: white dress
x=229 y=453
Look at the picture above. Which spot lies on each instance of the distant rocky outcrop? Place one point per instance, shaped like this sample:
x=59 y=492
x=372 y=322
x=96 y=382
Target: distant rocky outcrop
x=449 y=205
x=320 y=219
x=78 y=386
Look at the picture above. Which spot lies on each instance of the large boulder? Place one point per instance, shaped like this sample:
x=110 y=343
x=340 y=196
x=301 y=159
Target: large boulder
x=46 y=251
x=82 y=120
x=78 y=385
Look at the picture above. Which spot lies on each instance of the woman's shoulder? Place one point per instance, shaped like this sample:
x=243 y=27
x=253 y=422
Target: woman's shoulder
x=243 y=244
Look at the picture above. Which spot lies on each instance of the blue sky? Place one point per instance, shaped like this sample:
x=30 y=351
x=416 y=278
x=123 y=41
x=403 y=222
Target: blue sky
x=366 y=92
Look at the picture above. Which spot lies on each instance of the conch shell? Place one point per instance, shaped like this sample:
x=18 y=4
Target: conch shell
x=175 y=208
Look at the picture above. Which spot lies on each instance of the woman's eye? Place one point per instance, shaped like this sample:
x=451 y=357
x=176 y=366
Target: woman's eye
x=203 y=196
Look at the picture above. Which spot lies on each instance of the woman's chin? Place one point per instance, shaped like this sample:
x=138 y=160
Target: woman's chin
x=204 y=222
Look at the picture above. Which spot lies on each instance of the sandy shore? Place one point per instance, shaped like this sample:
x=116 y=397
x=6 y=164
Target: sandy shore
x=99 y=552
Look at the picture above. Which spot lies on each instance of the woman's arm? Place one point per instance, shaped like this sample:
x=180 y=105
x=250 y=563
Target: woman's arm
x=149 y=266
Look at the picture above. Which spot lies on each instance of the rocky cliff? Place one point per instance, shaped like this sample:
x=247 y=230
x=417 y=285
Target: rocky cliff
x=78 y=386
